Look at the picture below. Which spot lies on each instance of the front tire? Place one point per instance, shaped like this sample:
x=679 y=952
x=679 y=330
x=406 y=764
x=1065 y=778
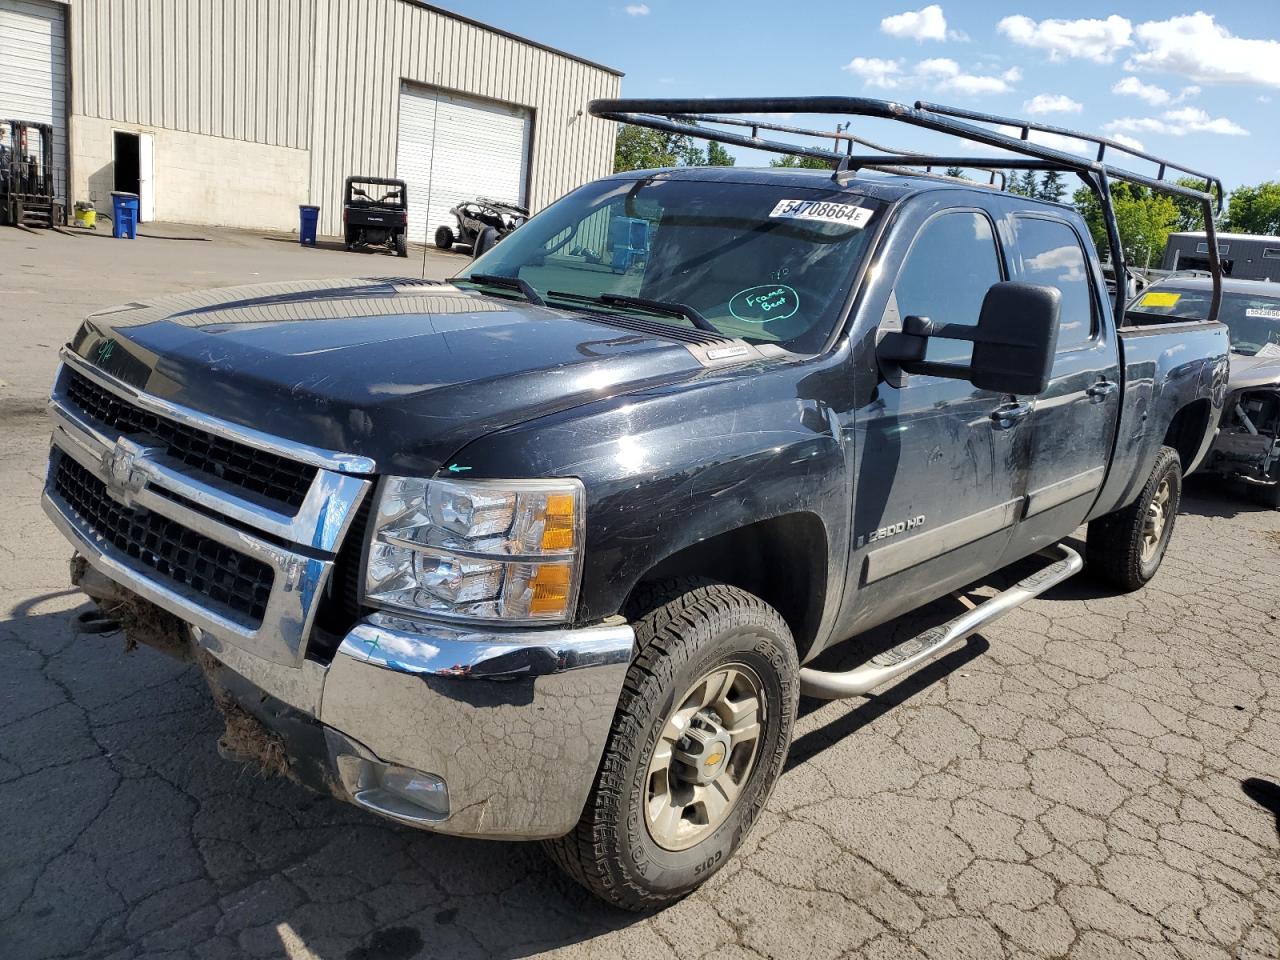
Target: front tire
x=444 y=238
x=697 y=744
x=1126 y=547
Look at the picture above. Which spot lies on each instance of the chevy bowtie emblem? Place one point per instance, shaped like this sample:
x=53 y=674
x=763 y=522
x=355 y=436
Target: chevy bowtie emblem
x=120 y=464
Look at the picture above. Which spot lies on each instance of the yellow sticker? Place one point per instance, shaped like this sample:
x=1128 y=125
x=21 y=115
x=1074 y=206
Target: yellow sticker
x=1160 y=299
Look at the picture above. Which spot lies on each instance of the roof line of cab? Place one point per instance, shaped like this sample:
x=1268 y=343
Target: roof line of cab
x=888 y=187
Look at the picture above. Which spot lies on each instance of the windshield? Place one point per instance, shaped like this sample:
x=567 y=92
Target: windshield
x=1253 y=320
x=769 y=264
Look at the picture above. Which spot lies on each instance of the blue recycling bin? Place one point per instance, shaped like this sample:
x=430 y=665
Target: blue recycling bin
x=308 y=220
x=124 y=215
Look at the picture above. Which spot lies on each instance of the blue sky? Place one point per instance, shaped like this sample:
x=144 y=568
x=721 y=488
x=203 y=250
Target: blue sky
x=1197 y=83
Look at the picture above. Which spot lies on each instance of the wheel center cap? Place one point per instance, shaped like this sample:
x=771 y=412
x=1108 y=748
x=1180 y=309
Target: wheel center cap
x=703 y=751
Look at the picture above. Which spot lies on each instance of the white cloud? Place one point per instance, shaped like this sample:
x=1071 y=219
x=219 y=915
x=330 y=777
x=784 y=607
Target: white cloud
x=1054 y=141
x=637 y=9
x=1263 y=98
x=1128 y=141
x=926 y=24
x=1097 y=40
x=1154 y=95
x=1196 y=46
x=1178 y=123
x=876 y=72
x=939 y=73
x=1052 y=103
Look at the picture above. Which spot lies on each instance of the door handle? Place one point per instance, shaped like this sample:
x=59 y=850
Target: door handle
x=1010 y=414
x=1101 y=390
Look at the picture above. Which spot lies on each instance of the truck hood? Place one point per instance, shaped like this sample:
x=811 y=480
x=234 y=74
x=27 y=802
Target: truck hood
x=403 y=371
x=1253 y=372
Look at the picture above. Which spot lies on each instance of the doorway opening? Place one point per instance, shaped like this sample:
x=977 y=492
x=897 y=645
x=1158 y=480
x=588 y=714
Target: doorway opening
x=126 y=156
x=133 y=156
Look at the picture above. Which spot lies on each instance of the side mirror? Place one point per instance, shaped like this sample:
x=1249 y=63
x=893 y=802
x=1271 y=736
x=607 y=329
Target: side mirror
x=485 y=240
x=1013 y=342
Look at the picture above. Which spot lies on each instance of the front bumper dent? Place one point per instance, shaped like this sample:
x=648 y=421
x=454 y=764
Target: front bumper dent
x=513 y=722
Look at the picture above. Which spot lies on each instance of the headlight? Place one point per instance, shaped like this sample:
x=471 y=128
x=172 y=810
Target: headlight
x=484 y=549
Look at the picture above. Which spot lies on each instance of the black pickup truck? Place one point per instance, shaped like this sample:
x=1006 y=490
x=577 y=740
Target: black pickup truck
x=544 y=552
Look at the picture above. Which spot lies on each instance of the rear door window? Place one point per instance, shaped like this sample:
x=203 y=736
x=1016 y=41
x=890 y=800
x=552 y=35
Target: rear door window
x=1049 y=253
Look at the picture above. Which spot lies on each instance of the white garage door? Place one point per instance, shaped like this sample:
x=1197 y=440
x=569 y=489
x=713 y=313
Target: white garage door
x=453 y=148
x=33 y=73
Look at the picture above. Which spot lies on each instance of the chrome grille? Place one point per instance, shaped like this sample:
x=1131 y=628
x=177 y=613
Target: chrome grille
x=270 y=475
x=232 y=583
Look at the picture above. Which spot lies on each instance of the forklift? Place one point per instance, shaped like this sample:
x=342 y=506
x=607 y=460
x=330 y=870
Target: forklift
x=26 y=176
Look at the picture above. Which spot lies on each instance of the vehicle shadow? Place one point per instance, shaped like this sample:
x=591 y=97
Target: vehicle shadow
x=1265 y=794
x=1217 y=499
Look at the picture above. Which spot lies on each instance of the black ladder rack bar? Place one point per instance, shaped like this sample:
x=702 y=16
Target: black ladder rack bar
x=678 y=116
x=837 y=135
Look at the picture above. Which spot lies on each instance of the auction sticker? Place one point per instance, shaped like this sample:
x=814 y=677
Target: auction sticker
x=1266 y=313
x=823 y=211
x=1156 y=299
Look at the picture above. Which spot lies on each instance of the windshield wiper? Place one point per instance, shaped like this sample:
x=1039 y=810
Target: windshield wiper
x=644 y=303
x=506 y=283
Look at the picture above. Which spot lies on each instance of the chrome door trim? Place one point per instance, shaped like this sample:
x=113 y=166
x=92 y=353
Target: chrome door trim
x=895 y=557
x=1061 y=491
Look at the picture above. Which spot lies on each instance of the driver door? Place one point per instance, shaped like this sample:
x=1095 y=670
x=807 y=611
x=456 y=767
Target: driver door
x=938 y=478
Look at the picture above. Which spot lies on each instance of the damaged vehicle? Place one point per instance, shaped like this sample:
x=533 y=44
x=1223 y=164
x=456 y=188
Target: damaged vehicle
x=1247 y=447
x=548 y=551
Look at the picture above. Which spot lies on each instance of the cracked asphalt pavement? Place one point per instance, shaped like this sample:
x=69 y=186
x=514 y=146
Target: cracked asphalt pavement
x=1095 y=776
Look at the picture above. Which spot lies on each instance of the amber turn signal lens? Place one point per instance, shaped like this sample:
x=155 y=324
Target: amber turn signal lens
x=557 y=534
x=550 y=589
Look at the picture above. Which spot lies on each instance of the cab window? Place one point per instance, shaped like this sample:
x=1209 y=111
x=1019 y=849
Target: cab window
x=1049 y=253
x=951 y=266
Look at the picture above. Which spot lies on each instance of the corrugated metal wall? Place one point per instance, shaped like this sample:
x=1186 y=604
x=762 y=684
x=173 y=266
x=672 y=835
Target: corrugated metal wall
x=241 y=69
x=371 y=45
x=326 y=75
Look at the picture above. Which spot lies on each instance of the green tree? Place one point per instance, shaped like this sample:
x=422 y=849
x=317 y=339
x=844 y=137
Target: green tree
x=956 y=173
x=795 y=160
x=1255 y=209
x=717 y=155
x=640 y=148
x=1051 y=187
x=1144 y=219
x=1190 y=213
x=1024 y=185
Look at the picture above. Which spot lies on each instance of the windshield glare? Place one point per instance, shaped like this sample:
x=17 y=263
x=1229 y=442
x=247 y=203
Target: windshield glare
x=769 y=264
x=1253 y=321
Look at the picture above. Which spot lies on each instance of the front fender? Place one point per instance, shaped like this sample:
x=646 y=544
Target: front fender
x=671 y=468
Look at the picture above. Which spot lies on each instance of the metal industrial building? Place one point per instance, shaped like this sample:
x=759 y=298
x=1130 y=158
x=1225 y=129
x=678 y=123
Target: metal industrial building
x=234 y=112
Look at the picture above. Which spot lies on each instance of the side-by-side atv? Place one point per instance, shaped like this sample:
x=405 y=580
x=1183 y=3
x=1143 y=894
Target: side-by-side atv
x=375 y=213
x=477 y=216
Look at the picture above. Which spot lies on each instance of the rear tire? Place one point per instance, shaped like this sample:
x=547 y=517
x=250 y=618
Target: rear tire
x=697 y=640
x=444 y=238
x=1126 y=547
x=402 y=246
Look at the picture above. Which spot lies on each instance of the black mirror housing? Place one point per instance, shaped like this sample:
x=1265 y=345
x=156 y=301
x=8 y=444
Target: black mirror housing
x=1013 y=343
x=1017 y=338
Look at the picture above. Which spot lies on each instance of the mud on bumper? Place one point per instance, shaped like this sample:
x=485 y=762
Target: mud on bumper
x=492 y=733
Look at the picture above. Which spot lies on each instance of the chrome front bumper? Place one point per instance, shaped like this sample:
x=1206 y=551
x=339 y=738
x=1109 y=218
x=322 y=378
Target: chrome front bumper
x=514 y=722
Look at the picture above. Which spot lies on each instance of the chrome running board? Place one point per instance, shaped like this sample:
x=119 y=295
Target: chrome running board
x=909 y=654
